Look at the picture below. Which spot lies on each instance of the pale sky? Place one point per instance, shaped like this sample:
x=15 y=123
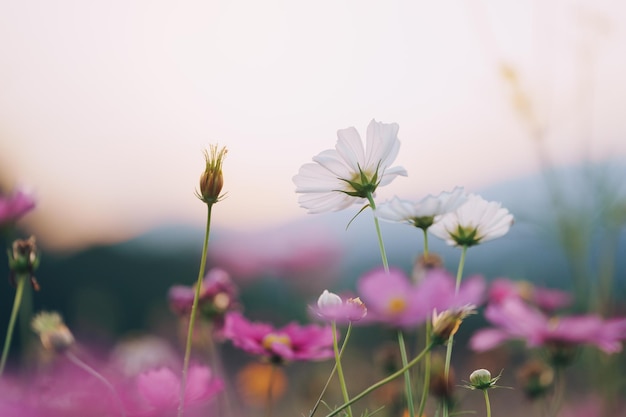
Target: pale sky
x=106 y=106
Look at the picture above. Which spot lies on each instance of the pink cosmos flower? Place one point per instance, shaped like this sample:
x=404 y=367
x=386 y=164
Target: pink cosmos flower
x=15 y=206
x=157 y=391
x=289 y=343
x=544 y=298
x=394 y=300
x=516 y=320
x=332 y=307
x=218 y=295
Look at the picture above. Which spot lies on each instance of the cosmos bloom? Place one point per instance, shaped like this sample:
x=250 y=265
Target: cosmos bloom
x=544 y=298
x=349 y=173
x=157 y=391
x=14 y=206
x=289 y=343
x=516 y=320
x=218 y=295
x=476 y=221
x=332 y=307
x=392 y=299
x=421 y=214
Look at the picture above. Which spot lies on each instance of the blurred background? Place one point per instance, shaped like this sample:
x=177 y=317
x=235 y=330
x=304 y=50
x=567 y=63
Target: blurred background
x=106 y=108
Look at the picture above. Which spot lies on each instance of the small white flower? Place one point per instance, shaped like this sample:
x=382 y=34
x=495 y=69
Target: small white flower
x=349 y=173
x=422 y=213
x=474 y=222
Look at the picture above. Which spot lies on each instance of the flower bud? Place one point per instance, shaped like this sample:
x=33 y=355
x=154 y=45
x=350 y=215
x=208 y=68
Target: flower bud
x=24 y=260
x=328 y=299
x=480 y=379
x=536 y=379
x=212 y=179
x=446 y=323
x=53 y=333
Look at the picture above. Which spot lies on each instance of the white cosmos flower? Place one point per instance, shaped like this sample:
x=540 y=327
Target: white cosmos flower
x=422 y=213
x=474 y=222
x=349 y=173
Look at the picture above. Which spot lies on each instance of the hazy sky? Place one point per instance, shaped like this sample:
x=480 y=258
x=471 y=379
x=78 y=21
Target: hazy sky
x=106 y=106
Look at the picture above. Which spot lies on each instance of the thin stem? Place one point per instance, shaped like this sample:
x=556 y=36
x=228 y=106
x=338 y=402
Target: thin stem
x=21 y=281
x=332 y=373
x=426 y=386
x=459 y=271
x=407 y=376
x=425 y=243
x=342 y=380
x=487 y=404
x=78 y=362
x=381 y=245
x=459 y=276
x=270 y=386
x=192 y=317
x=383 y=381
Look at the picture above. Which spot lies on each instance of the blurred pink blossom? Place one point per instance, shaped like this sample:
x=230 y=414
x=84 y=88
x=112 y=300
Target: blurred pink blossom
x=156 y=392
x=544 y=298
x=288 y=343
x=392 y=299
x=14 y=206
x=516 y=320
x=281 y=252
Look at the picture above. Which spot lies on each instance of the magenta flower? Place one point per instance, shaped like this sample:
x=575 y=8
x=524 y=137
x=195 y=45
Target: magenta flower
x=217 y=296
x=331 y=307
x=289 y=343
x=544 y=298
x=392 y=299
x=516 y=320
x=157 y=391
x=15 y=206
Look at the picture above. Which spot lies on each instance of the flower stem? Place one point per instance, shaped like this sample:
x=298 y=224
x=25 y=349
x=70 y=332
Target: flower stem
x=21 y=281
x=426 y=386
x=383 y=381
x=342 y=380
x=76 y=361
x=425 y=243
x=459 y=271
x=192 y=317
x=459 y=276
x=332 y=373
x=270 y=386
x=381 y=245
x=487 y=404
x=407 y=376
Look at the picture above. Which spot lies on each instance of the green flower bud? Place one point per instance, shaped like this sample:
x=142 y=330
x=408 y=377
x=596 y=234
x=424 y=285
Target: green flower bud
x=212 y=179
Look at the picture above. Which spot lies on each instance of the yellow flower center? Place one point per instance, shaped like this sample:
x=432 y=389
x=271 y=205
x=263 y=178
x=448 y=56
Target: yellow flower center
x=272 y=338
x=396 y=305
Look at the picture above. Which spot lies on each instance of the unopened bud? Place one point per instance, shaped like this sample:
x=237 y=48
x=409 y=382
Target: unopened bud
x=24 y=260
x=212 y=179
x=52 y=331
x=446 y=323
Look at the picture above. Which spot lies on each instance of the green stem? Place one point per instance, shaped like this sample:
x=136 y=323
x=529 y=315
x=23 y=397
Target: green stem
x=459 y=271
x=383 y=381
x=192 y=317
x=332 y=373
x=487 y=404
x=381 y=245
x=342 y=381
x=426 y=386
x=459 y=276
x=407 y=376
x=21 y=281
x=270 y=384
x=425 y=243
x=76 y=361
